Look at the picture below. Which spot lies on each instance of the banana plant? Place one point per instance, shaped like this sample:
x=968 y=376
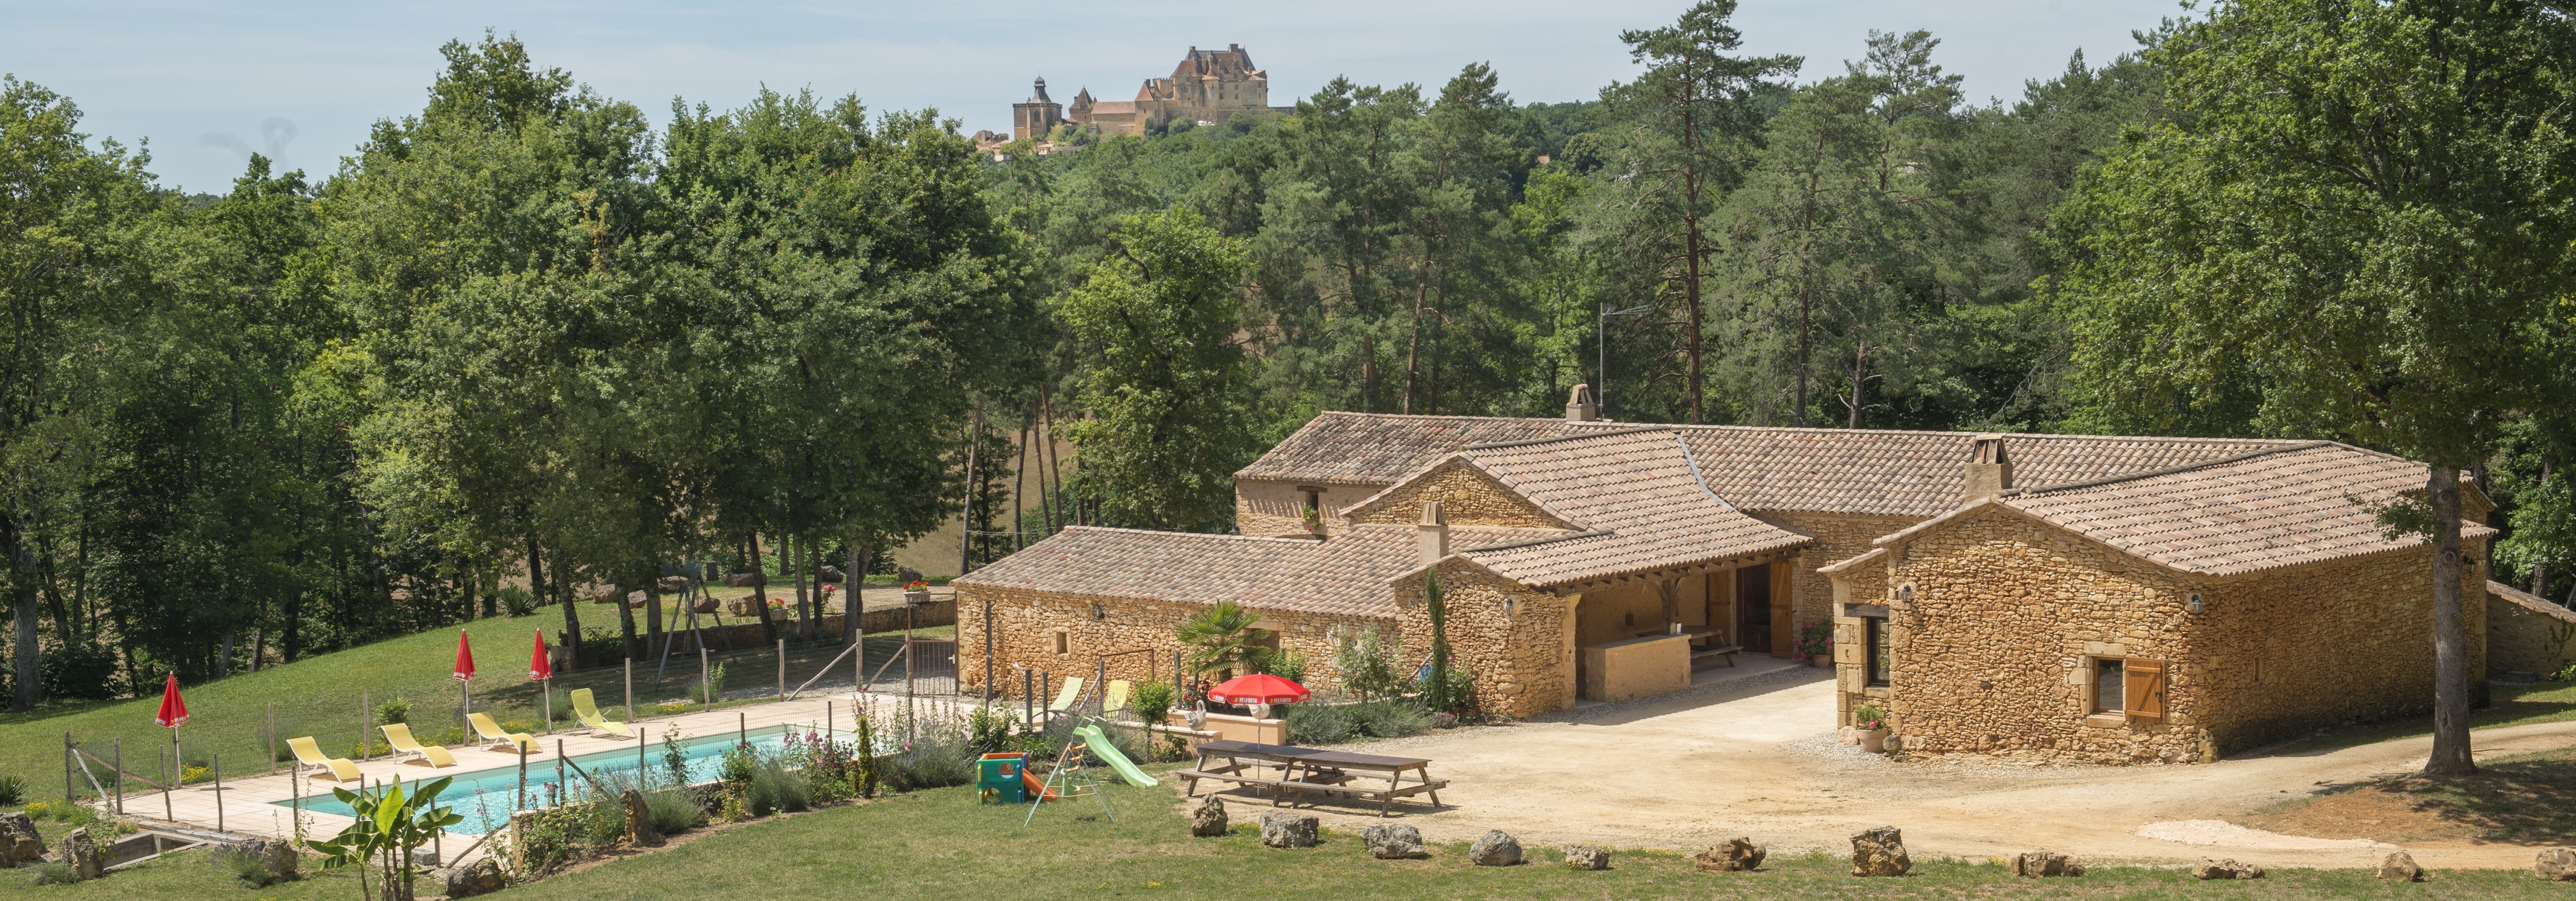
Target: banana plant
x=392 y=823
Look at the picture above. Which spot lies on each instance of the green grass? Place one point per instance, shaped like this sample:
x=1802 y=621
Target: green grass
x=319 y=696
x=2509 y=705
x=942 y=844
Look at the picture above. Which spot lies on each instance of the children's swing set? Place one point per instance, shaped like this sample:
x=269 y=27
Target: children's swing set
x=1005 y=778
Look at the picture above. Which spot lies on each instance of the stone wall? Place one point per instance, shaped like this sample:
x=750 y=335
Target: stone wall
x=1276 y=508
x=2527 y=635
x=1467 y=497
x=1992 y=654
x=1026 y=623
x=1521 y=653
x=1839 y=536
x=1619 y=613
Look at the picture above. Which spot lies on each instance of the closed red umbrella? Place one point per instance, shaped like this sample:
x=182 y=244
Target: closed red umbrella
x=174 y=711
x=1258 y=688
x=542 y=669
x=464 y=675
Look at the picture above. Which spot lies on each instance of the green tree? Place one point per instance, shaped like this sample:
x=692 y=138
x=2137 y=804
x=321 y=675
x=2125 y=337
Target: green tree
x=2365 y=210
x=1166 y=423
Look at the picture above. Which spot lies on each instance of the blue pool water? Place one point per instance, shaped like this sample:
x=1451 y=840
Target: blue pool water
x=486 y=798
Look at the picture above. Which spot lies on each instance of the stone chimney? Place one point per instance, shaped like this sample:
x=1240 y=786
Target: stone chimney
x=1579 y=407
x=1989 y=470
x=1432 y=534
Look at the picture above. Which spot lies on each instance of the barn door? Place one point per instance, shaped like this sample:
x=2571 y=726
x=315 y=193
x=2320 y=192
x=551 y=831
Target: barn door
x=1784 y=640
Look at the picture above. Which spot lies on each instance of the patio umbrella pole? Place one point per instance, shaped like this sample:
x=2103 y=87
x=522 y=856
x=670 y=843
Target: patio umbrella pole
x=630 y=690
x=219 y=792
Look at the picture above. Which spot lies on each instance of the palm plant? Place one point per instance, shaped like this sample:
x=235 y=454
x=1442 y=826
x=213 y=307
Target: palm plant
x=391 y=824
x=1221 y=637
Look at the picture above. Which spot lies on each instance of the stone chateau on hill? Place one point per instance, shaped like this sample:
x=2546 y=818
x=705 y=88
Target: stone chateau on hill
x=1207 y=86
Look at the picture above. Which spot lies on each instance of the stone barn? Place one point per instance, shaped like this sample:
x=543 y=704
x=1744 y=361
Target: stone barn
x=1945 y=572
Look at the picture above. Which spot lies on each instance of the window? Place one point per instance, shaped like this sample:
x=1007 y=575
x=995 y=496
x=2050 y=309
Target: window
x=1876 y=639
x=1063 y=643
x=2107 y=693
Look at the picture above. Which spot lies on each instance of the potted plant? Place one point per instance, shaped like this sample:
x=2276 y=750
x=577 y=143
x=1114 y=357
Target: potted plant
x=1816 y=643
x=1871 y=725
x=1314 y=520
x=916 y=592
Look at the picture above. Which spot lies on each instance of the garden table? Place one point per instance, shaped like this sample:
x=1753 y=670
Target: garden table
x=1344 y=771
x=1242 y=758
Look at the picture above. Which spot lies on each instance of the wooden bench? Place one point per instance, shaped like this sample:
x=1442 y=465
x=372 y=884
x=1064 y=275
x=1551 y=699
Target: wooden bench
x=1241 y=758
x=1341 y=772
x=1728 y=651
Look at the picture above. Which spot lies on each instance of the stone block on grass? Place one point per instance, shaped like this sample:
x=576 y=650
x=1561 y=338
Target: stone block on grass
x=2224 y=868
x=1495 y=848
x=2042 y=864
x=2400 y=867
x=1281 y=829
x=1393 y=841
x=20 y=843
x=82 y=854
x=1587 y=857
x=1737 y=855
x=1880 y=851
x=1207 y=818
x=2555 y=864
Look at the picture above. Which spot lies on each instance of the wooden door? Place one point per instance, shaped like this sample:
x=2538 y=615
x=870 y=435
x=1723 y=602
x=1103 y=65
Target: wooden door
x=1784 y=635
x=1753 y=607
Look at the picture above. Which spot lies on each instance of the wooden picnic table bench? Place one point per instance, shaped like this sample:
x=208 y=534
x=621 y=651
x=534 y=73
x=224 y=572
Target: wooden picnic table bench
x=1343 y=771
x=1241 y=759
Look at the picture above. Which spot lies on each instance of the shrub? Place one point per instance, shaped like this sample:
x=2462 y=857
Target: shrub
x=1364 y=662
x=517 y=601
x=715 y=678
x=774 y=788
x=930 y=762
x=1317 y=724
x=674 y=810
x=1152 y=703
x=191 y=775
x=80 y=671
x=395 y=710
x=40 y=810
x=52 y=874
x=12 y=789
x=603 y=821
x=739 y=765
x=244 y=866
x=669 y=708
x=1389 y=719
x=1331 y=723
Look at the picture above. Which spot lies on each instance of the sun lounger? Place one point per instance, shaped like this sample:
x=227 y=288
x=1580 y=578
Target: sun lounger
x=1071 y=695
x=496 y=740
x=307 y=753
x=399 y=736
x=587 y=712
x=1116 y=699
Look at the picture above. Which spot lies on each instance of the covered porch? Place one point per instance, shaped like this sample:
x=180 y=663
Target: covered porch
x=1646 y=633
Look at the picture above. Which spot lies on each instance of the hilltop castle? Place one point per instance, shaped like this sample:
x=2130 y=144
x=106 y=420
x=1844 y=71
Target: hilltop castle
x=1207 y=86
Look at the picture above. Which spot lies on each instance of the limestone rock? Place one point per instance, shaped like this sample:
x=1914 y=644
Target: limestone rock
x=2400 y=867
x=1495 y=849
x=1587 y=857
x=1281 y=829
x=481 y=877
x=1735 y=856
x=2557 y=864
x=1392 y=841
x=1880 y=851
x=738 y=580
x=1208 y=817
x=2225 y=869
x=19 y=840
x=276 y=855
x=82 y=854
x=639 y=820
x=2037 y=864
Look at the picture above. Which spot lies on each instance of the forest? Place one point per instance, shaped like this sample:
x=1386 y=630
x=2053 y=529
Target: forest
x=524 y=345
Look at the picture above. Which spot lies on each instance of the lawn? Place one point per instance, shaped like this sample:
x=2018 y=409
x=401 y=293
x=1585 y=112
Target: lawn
x=941 y=844
x=2509 y=705
x=319 y=696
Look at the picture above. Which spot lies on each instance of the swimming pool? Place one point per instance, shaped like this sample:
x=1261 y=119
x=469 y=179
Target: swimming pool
x=486 y=798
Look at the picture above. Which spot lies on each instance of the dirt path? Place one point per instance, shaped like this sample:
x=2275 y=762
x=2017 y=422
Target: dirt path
x=1757 y=757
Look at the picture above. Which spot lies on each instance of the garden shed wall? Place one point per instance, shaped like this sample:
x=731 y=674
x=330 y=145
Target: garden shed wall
x=2526 y=633
x=1025 y=624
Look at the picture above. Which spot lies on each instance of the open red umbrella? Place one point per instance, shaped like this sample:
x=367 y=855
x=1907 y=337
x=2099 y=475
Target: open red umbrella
x=1258 y=688
x=174 y=711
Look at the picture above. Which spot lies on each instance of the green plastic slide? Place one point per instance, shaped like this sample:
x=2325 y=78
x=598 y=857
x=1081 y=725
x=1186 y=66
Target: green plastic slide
x=1108 y=753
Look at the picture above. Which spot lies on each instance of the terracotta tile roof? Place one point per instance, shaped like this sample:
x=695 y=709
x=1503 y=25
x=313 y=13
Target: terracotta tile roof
x=1635 y=496
x=1757 y=468
x=1346 y=575
x=2309 y=502
x=1377 y=449
x=2531 y=602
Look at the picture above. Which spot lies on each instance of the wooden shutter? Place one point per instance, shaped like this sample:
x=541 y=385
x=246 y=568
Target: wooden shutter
x=2144 y=681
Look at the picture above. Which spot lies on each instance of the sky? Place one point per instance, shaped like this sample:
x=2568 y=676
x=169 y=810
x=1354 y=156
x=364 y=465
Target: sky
x=208 y=83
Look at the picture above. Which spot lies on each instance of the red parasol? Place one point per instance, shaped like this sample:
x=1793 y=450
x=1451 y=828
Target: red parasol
x=1258 y=688
x=538 y=666
x=464 y=657
x=173 y=710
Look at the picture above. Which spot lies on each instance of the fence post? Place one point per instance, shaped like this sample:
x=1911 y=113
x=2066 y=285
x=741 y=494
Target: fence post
x=782 y=669
x=67 y=767
x=1028 y=699
x=1099 y=684
x=640 y=773
x=272 y=736
x=366 y=721
x=522 y=748
x=117 y=746
x=218 y=764
x=630 y=691
x=706 y=684
x=988 y=650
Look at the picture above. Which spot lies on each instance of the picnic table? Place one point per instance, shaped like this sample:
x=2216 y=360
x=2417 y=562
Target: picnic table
x=1311 y=770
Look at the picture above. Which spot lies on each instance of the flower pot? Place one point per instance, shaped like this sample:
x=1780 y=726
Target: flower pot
x=1822 y=662
x=916 y=597
x=1873 y=740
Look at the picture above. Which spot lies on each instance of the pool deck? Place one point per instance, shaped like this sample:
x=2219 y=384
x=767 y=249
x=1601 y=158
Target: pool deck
x=248 y=806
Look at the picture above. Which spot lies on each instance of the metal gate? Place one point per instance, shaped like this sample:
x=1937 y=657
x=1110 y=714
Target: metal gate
x=930 y=666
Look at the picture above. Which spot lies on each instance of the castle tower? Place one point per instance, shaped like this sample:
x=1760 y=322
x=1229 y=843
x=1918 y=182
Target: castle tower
x=1032 y=118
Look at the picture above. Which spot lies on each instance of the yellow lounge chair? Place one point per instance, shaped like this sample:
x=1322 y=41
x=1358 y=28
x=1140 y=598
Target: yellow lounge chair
x=588 y=713
x=1071 y=695
x=1117 y=697
x=307 y=753
x=399 y=736
x=497 y=740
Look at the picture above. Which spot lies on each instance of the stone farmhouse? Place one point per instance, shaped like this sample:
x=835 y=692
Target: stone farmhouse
x=2058 y=597
x=1206 y=86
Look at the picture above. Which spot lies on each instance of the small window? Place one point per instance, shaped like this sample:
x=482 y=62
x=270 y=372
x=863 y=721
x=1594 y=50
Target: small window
x=1063 y=643
x=2108 y=692
x=1876 y=627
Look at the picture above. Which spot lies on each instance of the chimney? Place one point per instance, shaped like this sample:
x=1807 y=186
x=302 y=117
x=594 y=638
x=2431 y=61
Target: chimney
x=1432 y=534
x=1989 y=470
x=1578 y=406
